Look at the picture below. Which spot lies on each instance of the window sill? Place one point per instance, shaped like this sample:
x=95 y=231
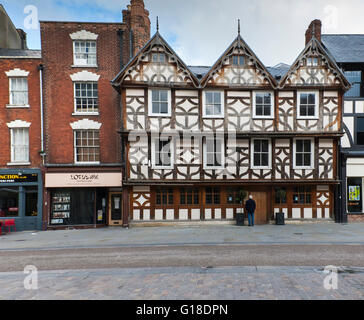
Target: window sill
x=303 y=168
x=18 y=164
x=307 y=118
x=85 y=114
x=88 y=163
x=261 y=168
x=14 y=106
x=262 y=117
x=162 y=168
x=213 y=117
x=162 y=115
x=84 y=66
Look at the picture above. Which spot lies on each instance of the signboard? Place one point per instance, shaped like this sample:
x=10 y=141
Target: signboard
x=354 y=193
x=17 y=178
x=354 y=197
x=59 y=180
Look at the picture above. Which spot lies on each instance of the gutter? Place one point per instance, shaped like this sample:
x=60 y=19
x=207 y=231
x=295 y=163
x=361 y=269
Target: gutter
x=42 y=152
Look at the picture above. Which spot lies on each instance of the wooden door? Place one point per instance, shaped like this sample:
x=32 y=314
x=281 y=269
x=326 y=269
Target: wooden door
x=115 y=209
x=261 y=214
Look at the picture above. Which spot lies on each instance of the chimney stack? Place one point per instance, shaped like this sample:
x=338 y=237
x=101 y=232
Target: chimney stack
x=314 y=29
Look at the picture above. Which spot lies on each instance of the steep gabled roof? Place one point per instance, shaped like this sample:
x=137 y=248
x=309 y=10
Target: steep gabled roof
x=239 y=43
x=314 y=47
x=156 y=40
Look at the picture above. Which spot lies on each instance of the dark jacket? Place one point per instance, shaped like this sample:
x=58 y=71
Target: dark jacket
x=250 y=206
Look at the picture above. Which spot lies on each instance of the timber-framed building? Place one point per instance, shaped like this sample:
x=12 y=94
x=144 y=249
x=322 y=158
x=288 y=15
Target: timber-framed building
x=194 y=137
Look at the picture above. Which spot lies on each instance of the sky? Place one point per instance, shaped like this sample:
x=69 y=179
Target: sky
x=201 y=30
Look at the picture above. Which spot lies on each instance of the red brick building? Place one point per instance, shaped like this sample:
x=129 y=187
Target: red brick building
x=82 y=115
x=20 y=131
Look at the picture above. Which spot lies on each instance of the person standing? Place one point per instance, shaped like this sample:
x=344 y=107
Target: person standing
x=250 y=207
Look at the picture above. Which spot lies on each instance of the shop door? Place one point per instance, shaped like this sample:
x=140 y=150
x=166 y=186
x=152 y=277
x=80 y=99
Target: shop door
x=260 y=199
x=115 y=213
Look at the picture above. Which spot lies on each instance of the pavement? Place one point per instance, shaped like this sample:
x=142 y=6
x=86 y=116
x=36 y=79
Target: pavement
x=310 y=233
x=209 y=262
x=187 y=283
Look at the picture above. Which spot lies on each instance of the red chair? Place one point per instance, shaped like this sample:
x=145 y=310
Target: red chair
x=10 y=223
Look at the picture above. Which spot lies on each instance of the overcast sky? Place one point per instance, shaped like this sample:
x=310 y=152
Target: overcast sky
x=200 y=30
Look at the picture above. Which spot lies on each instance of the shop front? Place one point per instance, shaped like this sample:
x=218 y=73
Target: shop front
x=354 y=189
x=21 y=198
x=84 y=199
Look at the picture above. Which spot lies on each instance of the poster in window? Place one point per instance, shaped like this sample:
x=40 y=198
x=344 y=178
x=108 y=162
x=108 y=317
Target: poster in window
x=354 y=193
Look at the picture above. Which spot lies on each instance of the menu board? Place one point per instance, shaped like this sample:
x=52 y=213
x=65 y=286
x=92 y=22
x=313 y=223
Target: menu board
x=61 y=207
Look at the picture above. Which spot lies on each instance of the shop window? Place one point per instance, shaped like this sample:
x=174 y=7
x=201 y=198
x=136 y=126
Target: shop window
x=61 y=207
x=212 y=196
x=354 y=195
x=302 y=195
x=31 y=202
x=189 y=196
x=164 y=197
x=233 y=196
x=360 y=131
x=9 y=202
x=280 y=195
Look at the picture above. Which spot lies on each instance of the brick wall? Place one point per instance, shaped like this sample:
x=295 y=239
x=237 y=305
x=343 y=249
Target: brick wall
x=355 y=218
x=31 y=114
x=57 y=53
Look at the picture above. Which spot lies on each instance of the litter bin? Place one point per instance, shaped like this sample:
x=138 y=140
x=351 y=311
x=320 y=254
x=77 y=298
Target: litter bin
x=280 y=218
x=240 y=219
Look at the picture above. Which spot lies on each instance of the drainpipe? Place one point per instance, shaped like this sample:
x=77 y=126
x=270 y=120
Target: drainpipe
x=41 y=68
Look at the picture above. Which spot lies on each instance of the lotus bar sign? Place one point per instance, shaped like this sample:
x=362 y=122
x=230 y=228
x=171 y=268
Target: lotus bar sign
x=56 y=180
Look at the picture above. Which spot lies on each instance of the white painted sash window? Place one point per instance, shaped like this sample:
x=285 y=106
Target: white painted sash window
x=87 y=146
x=84 y=53
x=19 y=145
x=18 y=91
x=162 y=153
x=213 y=104
x=86 y=97
x=214 y=153
x=159 y=102
x=307 y=105
x=261 y=155
x=303 y=153
x=263 y=105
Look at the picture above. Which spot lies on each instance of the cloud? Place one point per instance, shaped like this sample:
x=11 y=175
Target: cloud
x=201 y=30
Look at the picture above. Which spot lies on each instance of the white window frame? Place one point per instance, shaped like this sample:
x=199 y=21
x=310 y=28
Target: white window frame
x=252 y=166
x=159 y=54
x=11 y=102
x=312 y=165
x=75 y=61
x=239 y=57
x=271 y=116
x=222 y=166
x=76 y=112
x=150 y=103
x=312 y=59
x=12 y=151
x=75 y=147
x=222 y=98
x=317 y=97
x=154 y=153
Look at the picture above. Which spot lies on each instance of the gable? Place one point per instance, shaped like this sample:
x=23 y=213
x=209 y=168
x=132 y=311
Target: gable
x=229 y=69
x=314 y=67
x=156 y=64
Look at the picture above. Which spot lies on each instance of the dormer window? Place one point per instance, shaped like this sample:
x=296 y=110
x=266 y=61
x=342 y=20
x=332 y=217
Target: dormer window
x=238 y=60
x=312 y=62
x=159 y=57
